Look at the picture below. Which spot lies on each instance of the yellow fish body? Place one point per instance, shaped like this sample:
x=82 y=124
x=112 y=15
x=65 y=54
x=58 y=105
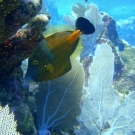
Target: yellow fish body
x=51 y=58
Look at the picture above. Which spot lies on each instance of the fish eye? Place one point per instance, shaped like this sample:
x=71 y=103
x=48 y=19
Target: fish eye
x=35 y=62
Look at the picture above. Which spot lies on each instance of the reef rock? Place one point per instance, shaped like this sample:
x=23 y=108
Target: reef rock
x=20 y=32
x=110 y=31
x=14 y=14
x=14 y=49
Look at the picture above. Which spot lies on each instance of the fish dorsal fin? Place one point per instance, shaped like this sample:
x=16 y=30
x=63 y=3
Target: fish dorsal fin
x=55 y=29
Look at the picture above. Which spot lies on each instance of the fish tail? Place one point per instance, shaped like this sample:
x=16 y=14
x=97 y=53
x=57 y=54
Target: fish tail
x=84 y=25
x=74 y=36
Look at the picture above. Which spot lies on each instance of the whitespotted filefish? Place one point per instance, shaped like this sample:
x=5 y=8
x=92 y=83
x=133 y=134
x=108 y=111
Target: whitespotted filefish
x=51 y=57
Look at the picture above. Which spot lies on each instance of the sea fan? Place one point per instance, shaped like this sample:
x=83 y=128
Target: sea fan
x=58 y=100
x=7 y=122
x=102 y=111
x=91 y=12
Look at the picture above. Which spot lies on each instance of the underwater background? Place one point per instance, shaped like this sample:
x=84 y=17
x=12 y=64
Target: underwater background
x=122 y=11
x=117 y=8
x=67 y=67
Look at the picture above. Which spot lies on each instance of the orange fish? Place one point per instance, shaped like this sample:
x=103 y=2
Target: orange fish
x=51 y=57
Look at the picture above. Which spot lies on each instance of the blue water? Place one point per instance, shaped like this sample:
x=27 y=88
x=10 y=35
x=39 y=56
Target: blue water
x=123 y=12
x=119 y=9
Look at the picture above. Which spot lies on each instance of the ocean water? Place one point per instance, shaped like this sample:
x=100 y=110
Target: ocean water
x=118 y=9
x=95 y=97
x=121 y=11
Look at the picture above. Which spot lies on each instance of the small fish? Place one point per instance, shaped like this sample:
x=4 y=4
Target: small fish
x=51 y=58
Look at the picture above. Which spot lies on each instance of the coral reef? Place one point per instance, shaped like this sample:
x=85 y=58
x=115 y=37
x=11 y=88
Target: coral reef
x=128 y=57
x=103 y=112
x=111 y=33
x=125 y=84
x=20 y=46
x=7 y=122
x=121 y=74
x=6 y=7
x=14 y=89
x=52 y=107
x=24 y=117
x=15 y=92
x=58 y=101
x=12 y=12
x=101 y=78
x=21 y=26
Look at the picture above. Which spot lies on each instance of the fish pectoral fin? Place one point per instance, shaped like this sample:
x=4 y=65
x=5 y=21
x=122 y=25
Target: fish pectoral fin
x=46 y=51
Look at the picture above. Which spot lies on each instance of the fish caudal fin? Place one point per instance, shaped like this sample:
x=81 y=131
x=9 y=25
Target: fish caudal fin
x=74 y=36
x=84 y=25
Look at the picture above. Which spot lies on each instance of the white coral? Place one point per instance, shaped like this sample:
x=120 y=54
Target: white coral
x=102 y=112
x=91 y=12
x=7 y=122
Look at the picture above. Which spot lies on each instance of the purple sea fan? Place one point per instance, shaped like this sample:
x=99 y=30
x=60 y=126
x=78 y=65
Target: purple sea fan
x=58 y=100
